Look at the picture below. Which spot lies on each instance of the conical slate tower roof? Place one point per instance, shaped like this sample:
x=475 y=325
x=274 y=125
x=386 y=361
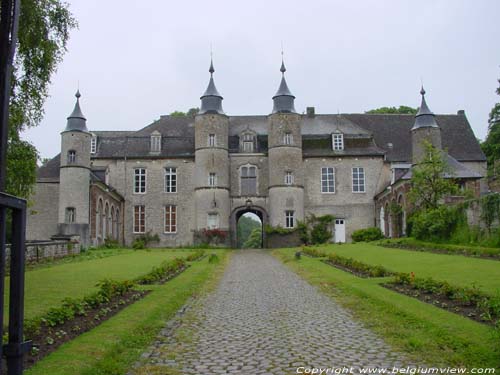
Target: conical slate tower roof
x=283 y=99
x=77 y=121
x=211 y=100
x=424 y=118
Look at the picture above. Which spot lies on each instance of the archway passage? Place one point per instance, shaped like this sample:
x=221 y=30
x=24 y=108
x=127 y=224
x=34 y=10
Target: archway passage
x=249 y=229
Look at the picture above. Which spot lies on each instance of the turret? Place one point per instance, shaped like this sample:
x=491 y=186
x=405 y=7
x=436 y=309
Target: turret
x=286 y=181
x=211 y=177
x=75 y=176
x=424 y=130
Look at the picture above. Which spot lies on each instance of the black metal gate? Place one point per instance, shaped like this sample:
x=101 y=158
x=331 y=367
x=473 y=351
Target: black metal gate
x=15 y=348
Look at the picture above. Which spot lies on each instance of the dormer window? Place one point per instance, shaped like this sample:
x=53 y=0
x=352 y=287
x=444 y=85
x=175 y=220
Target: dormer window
x=338 y=142
x=93 y=144
x=247 y=143
x=71 y=157
x=155 y=142
x=288 y=138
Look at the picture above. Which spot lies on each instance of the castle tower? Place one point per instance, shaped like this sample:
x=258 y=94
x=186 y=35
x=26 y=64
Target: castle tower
x=286 y=181
x=424 y=129
x=211 y=177
x=75 y=176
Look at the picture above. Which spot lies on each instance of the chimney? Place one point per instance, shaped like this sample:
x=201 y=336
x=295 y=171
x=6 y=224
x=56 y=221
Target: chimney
x=461 y=112
x=310 y=112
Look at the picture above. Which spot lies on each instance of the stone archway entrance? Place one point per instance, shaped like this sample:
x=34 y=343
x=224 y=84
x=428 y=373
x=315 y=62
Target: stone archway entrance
x=238 y=213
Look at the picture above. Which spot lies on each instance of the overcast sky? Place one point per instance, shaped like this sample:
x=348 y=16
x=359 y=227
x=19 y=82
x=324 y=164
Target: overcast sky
x=136 y=60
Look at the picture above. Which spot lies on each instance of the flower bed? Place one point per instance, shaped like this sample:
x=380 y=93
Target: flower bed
x=469 y=302
x=76 y=316
x=356 y=267
x=313 y=253
x=164 y=272
x=197 y=255
x=414 y=245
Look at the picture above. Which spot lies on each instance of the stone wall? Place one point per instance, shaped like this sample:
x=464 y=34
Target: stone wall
x=42 y=216
x=40 y=250
x=276 y=240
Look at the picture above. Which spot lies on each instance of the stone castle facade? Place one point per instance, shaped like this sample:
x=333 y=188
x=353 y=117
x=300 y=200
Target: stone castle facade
x=181 y=175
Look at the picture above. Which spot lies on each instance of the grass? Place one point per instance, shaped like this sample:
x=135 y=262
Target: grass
x=427 y=334
x=114 y=346
x=457 y=270
x=48 y=285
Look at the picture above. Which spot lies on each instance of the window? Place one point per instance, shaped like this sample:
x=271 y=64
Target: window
x=288 y=138
x=328 y=180
x=71 y=157
x=338 y=141
x=93 y=144
x=288 y=178
x=139 y=219
x=248 y=180
x=248 y=143
x=156 y=142
x=212 y=140
x=170 y=180
x=170 y=219
x=212 y=180
x=70 y=215
x=213 y=221
x=289 y=219
x=358 y=180
x=140 y=180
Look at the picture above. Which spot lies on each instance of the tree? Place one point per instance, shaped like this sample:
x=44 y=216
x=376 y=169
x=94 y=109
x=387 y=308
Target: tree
x=428 y=185
x=44 y=27
x=254 y=241
x=190 y=113
x=245 y=227
x=402 y=109
x=491 y=146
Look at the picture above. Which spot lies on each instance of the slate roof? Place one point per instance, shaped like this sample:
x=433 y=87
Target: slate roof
x=456 y=170
x=365 y=135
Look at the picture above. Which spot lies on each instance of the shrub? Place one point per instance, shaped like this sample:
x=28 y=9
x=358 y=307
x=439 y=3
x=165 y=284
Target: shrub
x=434 y=224
x=164 y=271
x=142 y=241
x=312 y=252
x=213 y=258
x=111 y=244
x=368 y=234
x=357 y=266
x=138 y=244
x=195 y=256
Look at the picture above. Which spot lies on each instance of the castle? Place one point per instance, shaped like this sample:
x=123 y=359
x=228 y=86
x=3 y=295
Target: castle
x=180 y=175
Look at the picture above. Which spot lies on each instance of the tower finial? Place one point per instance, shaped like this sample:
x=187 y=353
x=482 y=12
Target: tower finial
x=211 y=69
x=78 y=95
x=422 y=90
x=282 y=69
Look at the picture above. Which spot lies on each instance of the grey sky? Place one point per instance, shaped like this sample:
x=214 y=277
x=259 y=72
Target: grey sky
x=137 y=60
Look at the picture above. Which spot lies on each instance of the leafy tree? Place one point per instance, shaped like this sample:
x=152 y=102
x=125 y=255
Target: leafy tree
x=245 y=227
x=491 y=146
x=44 y=27
x=428 y=185
x=402 y=109
x=254 y=241
x=190 y=113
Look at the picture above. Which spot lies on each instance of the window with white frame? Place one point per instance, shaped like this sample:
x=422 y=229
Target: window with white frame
x=139 y=180
x=288 y=138
x=70 y=215
x=213 y=221
x=289 y=219
x=139 y=219
x=248 y=143
x=248 y=180
x=328 y=180
x=170 y=219
x=170 y=180
x=71 y=157
x=338 y=141
x=358 y=180
x=156 y=142
x=212 y=179
x=212 y=140
x=93 y=144
x=288 y=178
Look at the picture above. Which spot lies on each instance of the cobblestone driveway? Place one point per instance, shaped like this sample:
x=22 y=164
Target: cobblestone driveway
x=264 y=319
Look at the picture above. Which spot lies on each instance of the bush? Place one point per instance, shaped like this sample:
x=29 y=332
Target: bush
x=312 y=252
x=366 y=235
x=163 y=272
x=357 y=266
x=198 y=254
x=435 y=224
x=213 y=258
x=111 y=244
x=142 y=241
x=138 y=244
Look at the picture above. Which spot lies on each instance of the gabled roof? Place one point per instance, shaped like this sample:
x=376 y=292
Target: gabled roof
x=456 y=170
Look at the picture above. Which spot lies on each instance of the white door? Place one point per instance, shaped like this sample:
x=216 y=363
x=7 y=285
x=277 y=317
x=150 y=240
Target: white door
x=339 y=230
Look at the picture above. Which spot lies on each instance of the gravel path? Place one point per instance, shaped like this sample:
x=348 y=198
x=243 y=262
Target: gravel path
x=264 y=319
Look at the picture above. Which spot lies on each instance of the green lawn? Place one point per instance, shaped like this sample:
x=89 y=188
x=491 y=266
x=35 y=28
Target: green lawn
x=113 y=347
x=427 y=334
x=48 y=285
x=456 y=269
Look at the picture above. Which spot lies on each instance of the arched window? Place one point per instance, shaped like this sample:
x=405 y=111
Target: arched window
x=113 y=223
x=71 y=157
x=248 y=176
x=98 y=221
